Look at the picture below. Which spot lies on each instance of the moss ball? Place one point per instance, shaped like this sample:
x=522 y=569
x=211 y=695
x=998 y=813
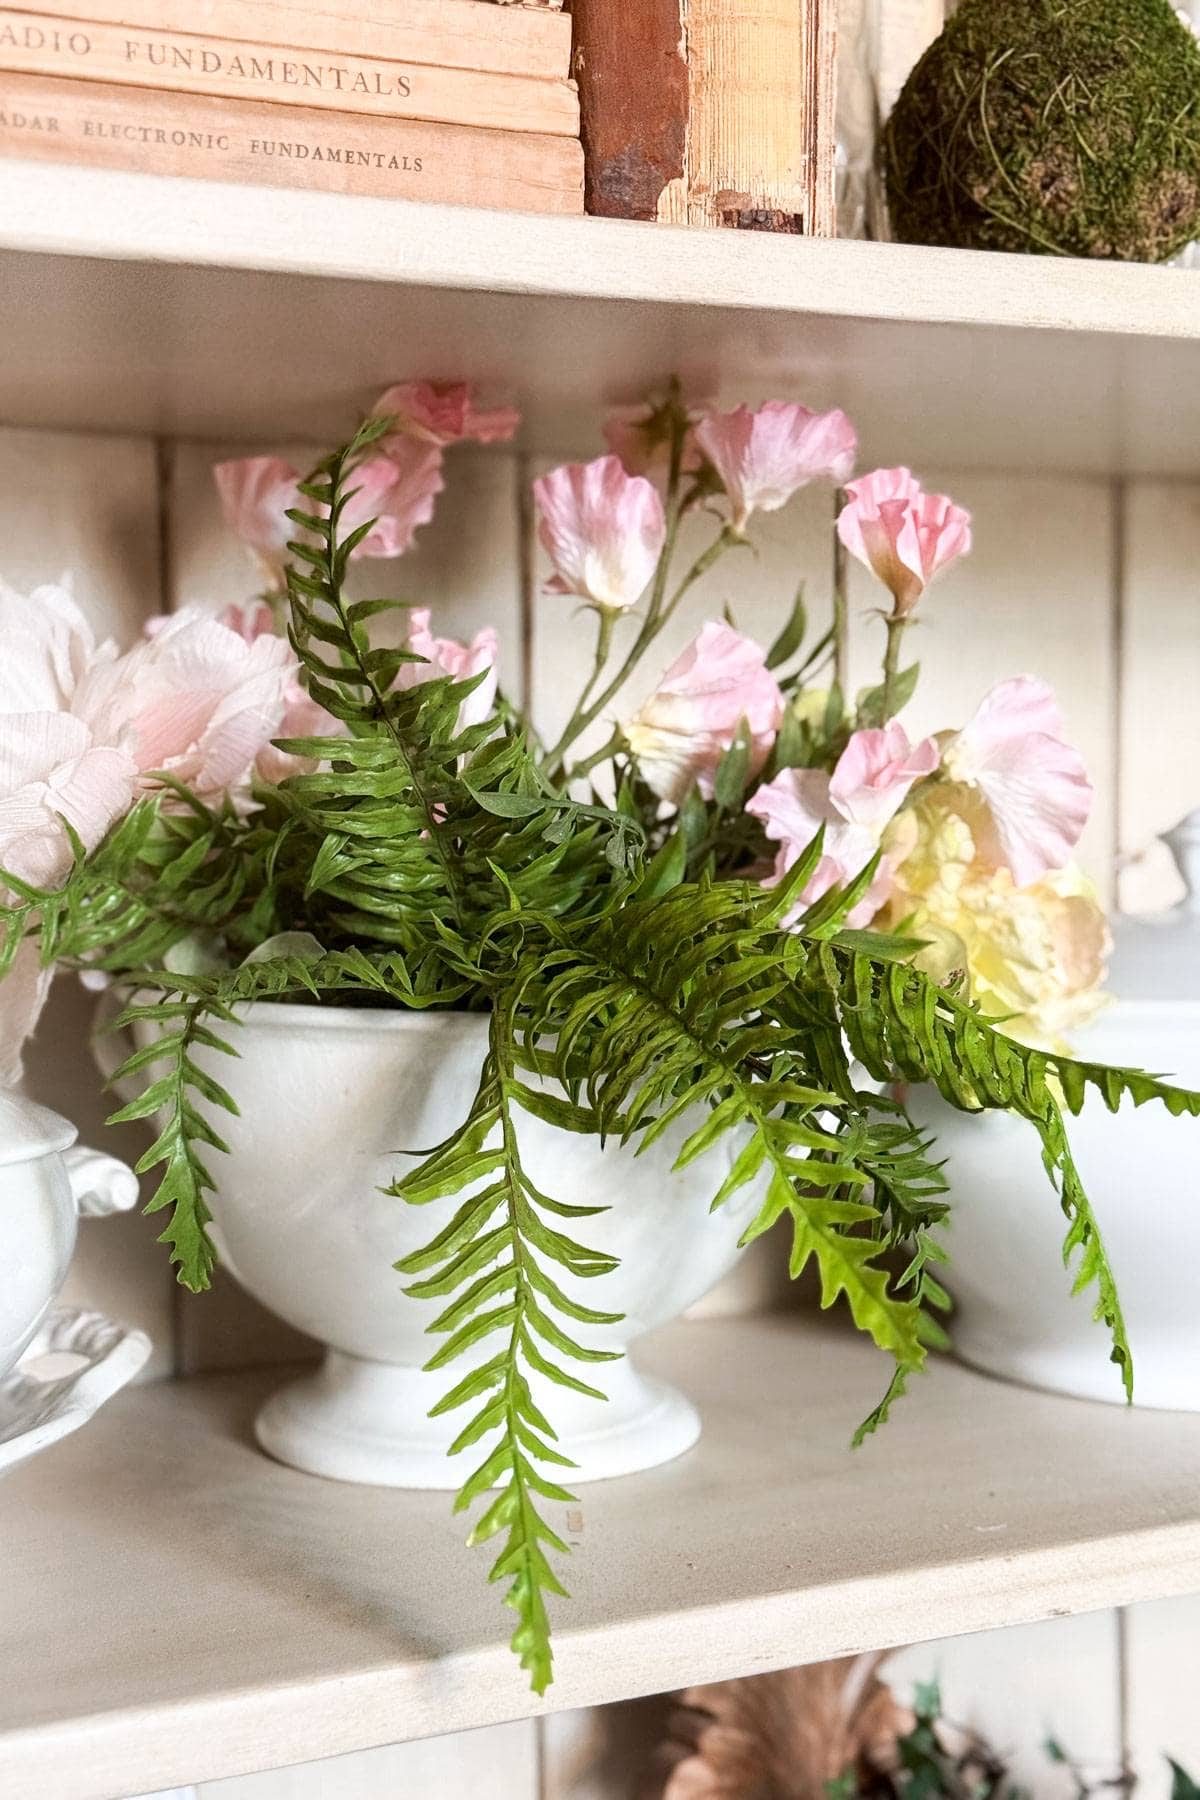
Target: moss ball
x=1062 y=127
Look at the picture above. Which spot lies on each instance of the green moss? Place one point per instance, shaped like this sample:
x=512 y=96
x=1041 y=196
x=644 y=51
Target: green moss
x=1066 y=127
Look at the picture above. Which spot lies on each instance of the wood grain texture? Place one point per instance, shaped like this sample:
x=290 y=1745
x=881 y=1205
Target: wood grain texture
x=633 y=93
x=460 y=34
x=497 y=1763
x=1160 y=672
x=465 y=568
x=186 y=62
x=88 y=507
x=760 y=117
x=315 y=1617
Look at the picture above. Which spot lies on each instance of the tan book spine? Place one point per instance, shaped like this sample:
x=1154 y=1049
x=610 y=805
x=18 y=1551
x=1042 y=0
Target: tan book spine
x=45 y=44
x=760 y=116
x=452 y=34
x=241 y=140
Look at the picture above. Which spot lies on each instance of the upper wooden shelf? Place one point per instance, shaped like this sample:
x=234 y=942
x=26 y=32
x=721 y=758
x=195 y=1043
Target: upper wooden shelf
x=141 y=303
x=176 y=1607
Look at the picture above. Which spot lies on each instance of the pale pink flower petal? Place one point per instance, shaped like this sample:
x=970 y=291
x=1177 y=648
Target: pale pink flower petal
x=602 y=529
x=793 y=808
x=444 y=412
x=763 y=457
x=23 y=994
x=876 y=771
x=47 y=645
x=256 y=493
x=302 y=716
x=904 y=535
x=195 y=700
x=52 y=768
x=692 y=718
x=1036 y=785
x=637 y=435
x=445 y=657
x=398 y=491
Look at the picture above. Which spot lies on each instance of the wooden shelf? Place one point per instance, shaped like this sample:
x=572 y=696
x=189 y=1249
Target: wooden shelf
x=132 y=302
x=176 y=1607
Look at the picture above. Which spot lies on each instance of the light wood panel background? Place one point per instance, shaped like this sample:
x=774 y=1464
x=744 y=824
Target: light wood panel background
x=1087 y=582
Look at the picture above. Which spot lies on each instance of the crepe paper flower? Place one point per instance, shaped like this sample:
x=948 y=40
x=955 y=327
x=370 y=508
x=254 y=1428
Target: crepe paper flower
x=602 y=529
x=195 y=700
x=694 y=715
x=23 y=994
x=1033 y=956
x=641 y=437
x=397 y=491
x=875 y=772
x=53 y=766
x=1034 y=783
x=302 y=715
x=446 y=657
x=763 y=457
x=48 y=644
x=444 y=412
x=870 y=783
x=904 y=535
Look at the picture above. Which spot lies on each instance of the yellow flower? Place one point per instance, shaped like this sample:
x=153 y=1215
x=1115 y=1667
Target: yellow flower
x=1034 y=956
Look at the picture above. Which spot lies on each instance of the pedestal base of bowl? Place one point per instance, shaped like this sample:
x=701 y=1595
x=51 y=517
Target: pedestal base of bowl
x=368 y=1422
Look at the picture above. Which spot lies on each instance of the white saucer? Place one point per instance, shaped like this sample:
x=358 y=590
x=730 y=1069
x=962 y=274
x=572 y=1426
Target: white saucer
x=39 y=1405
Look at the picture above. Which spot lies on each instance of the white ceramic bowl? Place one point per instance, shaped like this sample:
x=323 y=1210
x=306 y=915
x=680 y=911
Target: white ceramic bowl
x=1015 y=1314
x=329 y=1099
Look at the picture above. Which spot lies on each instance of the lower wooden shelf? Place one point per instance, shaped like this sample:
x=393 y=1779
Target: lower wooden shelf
x=176 y=1607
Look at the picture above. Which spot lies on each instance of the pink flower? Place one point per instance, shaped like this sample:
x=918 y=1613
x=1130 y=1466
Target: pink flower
x=398 y=491
x=870 y=783
x=302 y=716
x=693 y=716
x=54 y=767
x=903 y=534
x=641 y=437
x=602 y=529
x=445 y=657
x=195 y=700
x=23 y=994
x=443 y=412
x=875 y=772
x=255 y=494
x=765 y=457
x=1035 y=784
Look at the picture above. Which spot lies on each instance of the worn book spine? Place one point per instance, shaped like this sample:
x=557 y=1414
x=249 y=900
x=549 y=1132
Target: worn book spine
x=761 y=101
x=631 y=67
x=710 y=112
x=451 y=34
x=240 y=140
x=41 y=44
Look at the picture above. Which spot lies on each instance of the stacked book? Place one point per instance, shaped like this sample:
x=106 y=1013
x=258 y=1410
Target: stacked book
x=447 y=100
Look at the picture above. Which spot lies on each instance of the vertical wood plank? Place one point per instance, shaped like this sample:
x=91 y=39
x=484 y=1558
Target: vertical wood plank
x=1162 y=1656
x=88 y=506
x=498 y=1763
x=1160 y=678
x=466 y=566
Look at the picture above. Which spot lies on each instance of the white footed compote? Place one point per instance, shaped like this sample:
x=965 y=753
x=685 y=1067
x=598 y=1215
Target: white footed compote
x=47 y=1182
x=330 y=1098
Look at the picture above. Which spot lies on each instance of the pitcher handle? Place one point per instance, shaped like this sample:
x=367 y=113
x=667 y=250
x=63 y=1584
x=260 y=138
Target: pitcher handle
x=101 y=1184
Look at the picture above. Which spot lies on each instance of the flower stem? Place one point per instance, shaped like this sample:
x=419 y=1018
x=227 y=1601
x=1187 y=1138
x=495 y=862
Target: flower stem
x=841 y=611
x=896 y=623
